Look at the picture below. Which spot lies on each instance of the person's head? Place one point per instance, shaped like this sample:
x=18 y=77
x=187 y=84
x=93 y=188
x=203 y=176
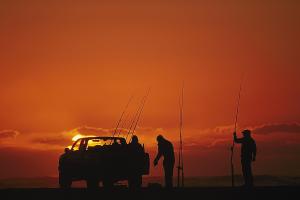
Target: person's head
x=246 y=133
x=160 y=138
x=115 y=142
x=123 y=142
x=134 y=139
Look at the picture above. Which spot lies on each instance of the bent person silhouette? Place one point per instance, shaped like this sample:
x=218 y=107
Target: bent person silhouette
x=165 y=149
x=248 y=155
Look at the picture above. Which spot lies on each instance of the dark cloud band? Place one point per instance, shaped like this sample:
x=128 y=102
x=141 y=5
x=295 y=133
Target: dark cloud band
x=5 y=134
x=277 y=128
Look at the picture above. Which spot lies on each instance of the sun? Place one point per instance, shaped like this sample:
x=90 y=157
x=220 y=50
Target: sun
x=76 y=137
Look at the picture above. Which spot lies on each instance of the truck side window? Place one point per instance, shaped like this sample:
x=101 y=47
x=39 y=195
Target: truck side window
x=83 y=145
x=76 y=145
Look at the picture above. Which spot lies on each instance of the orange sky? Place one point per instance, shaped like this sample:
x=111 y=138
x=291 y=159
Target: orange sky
x=70 y=64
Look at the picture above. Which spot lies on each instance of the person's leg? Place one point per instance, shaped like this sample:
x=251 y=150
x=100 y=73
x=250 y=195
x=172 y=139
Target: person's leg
x=168 y=176
x=244 y=171
x=171 y=174
x=250 y=174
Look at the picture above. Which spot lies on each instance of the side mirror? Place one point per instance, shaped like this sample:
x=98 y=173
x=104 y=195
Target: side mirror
x=67 y=150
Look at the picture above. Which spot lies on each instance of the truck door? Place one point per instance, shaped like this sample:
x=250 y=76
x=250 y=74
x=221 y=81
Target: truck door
x=78 y=151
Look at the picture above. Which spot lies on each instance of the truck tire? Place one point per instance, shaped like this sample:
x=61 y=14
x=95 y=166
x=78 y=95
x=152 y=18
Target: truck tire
x=92 y=184
x=108 y=183
x=64 y=181
x=135 y=181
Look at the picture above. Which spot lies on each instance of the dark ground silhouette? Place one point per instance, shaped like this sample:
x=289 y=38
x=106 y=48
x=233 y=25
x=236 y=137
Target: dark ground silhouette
x=154 y=193
x=209 y=181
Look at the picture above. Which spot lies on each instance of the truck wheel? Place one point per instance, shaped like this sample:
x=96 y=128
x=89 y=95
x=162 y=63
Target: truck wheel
x=92 y=184
x=108 y=183
x=135 y=182
x=64 y=181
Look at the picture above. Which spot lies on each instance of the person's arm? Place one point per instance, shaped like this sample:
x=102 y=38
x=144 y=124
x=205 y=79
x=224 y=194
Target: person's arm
x=159 y=154
x=237 y=140
x=254 y=151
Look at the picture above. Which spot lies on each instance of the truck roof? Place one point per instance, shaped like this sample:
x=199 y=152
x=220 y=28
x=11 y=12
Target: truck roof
x=100 y=137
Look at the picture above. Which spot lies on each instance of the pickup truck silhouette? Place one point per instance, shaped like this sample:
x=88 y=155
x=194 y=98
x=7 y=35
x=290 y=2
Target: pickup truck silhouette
x=103 y=159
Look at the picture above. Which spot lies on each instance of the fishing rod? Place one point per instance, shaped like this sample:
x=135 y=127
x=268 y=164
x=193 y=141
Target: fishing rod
x=137 y=115
x=133 y=119
x=122 y=115
x=235 y=129
x=141 y=110
x=123 y=124
x=180 y=154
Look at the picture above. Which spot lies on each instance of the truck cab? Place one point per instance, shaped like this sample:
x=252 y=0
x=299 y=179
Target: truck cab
x=103 y=159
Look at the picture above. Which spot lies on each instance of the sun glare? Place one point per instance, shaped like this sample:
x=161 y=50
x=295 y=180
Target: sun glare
x=76 y=137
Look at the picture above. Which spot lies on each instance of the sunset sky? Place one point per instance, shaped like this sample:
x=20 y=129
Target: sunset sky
x=69 y=67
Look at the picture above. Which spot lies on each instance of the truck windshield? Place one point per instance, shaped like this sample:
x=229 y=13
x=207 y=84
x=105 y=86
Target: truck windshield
x=92 y=143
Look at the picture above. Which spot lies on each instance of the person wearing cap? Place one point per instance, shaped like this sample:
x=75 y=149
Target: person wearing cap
x=165 y=149
x=136 y=151
x=135 y=146
x=248 y=155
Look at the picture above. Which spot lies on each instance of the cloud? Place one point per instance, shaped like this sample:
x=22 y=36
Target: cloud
x=277 y=128
x=86 y=130
x=59 y=140
x=221 y=136
x=219 y=142
x=223 y=129
x=210 y=138
x=65 y=138
x=263 y=129
x=8 y=134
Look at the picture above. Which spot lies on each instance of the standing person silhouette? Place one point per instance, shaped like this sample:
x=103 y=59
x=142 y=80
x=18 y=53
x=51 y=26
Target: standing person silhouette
x=248 y=155
x=136 y=152
x=165 y=149
x=135 y=146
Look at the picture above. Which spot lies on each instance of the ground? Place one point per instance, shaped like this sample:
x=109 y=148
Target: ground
x=283 y=192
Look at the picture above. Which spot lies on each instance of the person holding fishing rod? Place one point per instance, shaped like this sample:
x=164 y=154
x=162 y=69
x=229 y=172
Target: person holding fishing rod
x=248 y=149
x=248 y=155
